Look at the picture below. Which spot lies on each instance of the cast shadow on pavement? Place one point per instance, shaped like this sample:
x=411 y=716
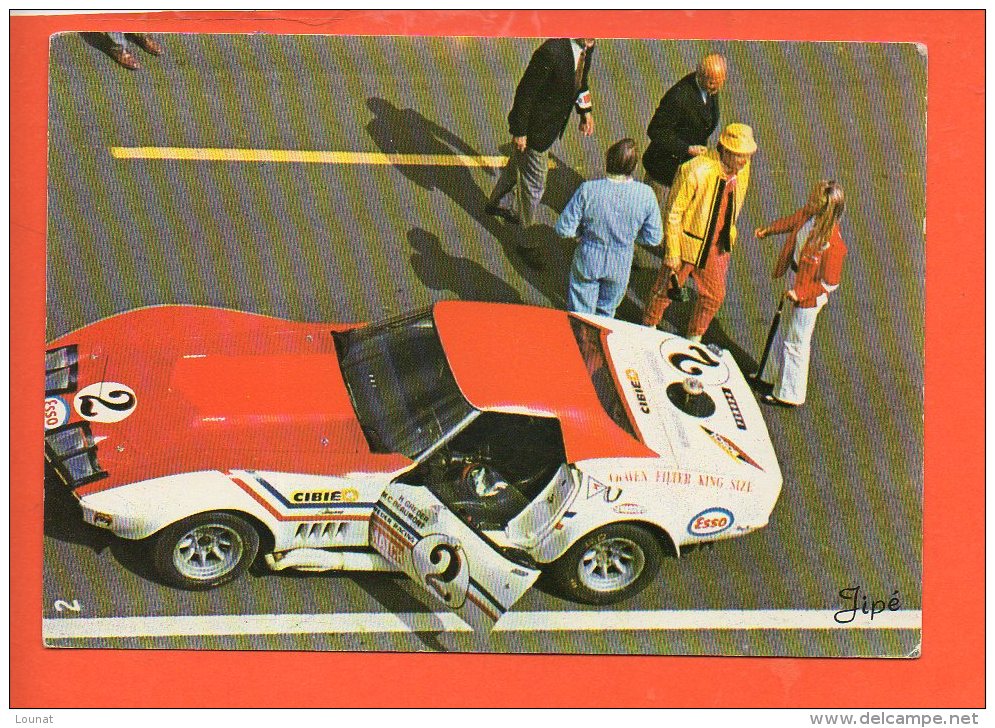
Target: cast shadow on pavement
x=406 y=131
x=462 y=277
x=102 y=42
x=62 y=517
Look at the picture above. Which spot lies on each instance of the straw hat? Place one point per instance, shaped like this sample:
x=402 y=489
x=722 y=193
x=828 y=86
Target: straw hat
x=738 y=139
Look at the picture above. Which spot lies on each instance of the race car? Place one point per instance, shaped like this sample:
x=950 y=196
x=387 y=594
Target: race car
x=471 y=445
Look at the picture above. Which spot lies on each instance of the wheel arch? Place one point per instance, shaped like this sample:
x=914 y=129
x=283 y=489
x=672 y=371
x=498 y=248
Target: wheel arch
x=562 y=573
x=267 y=539
x=668 y=542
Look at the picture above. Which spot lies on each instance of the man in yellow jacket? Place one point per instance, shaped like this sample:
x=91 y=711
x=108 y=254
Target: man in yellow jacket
x=700 y=226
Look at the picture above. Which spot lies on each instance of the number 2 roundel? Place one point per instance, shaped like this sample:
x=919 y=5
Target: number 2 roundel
x=441 y=563
x=105 y=402
x=690 y=359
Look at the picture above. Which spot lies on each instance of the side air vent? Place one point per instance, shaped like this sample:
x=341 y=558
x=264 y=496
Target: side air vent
x=320 y=533
x=71 y=451
x=60 y=370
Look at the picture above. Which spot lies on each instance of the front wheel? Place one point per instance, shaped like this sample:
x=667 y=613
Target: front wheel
x=205 y=550
x=608 y=565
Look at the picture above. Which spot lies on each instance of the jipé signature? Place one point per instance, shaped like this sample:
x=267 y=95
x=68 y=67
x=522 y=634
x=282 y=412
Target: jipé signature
x=856 y=602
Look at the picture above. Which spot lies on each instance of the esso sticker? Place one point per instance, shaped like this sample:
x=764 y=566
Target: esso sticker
x=710 y=522
x=56 y=412
x=105 y=402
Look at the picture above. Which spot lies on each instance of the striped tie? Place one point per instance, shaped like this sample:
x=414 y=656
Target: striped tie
x=579 y=75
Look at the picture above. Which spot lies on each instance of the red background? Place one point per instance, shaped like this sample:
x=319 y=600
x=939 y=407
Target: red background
x=951 y=670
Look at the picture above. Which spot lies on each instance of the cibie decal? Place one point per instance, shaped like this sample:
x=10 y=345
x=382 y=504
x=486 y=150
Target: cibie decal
x=56 y=412
x=730 y=448
x=347 y=495
x=441 y=563
x=105 y=402
x=711 y=522
x=633 y=376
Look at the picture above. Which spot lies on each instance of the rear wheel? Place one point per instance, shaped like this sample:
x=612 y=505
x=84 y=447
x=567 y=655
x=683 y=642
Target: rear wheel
x=205 y=550
x=608 y=565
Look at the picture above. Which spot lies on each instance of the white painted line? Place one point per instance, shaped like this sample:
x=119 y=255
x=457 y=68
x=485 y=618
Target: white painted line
x=701 y=619
x=374 y=623
x=250 y=624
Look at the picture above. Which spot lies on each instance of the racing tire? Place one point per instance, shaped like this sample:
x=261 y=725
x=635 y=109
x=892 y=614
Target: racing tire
x=608 y=565
x=205 y=550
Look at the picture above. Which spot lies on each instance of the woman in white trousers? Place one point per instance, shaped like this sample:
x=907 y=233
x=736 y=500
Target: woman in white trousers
x=812 y=257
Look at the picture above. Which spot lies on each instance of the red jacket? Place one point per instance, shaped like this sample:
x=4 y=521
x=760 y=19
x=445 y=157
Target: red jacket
x=816 y=267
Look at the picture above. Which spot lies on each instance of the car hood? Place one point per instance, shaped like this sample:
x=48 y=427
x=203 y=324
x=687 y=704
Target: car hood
x=215 y=390
x=691 y=404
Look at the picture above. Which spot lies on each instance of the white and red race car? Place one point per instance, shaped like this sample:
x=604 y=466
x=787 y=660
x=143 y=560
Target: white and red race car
x=471 y=446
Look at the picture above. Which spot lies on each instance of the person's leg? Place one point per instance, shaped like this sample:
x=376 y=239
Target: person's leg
x=582 y=292
x=711 y=284
x=793 y=384
x=658 y=302
x=659 y=189
x=610 y=295
x=120 y=53
x=500 y=198
x=147 y=43
x=532 y=171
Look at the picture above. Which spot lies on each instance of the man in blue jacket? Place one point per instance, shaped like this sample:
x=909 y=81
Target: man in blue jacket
x=553 y=85
x=609 y=216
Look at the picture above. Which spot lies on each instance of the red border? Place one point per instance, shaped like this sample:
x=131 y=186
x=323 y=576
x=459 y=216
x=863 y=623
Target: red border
x=951 y=670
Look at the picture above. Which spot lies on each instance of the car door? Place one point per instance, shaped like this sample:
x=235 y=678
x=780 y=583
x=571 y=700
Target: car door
x=536 y=521
x=414 y=530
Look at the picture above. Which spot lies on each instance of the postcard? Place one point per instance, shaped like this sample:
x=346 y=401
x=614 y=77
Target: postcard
x=510 y=345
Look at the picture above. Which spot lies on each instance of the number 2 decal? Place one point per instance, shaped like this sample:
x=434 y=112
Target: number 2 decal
x=703 y=358
x=62 y=605
x=105 y=402
x=440 y=581
x=441 y=562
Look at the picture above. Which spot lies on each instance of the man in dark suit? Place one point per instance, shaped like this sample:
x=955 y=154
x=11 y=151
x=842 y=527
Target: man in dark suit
x=553 y=85
x=687 y=115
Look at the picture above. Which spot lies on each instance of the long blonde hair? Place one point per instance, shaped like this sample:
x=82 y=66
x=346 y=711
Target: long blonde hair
x=826 y=205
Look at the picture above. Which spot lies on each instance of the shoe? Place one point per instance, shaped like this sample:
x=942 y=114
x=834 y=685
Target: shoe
x=124 y=57
x=775 y=402
x=147 y=43
x=531 y=257
x=502 y=212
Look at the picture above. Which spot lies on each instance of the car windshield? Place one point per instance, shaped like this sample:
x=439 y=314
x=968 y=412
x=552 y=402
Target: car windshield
x=401 y=386
x=590 y=341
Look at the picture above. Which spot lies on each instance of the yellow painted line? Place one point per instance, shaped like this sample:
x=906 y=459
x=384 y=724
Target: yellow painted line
x=308 y=157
